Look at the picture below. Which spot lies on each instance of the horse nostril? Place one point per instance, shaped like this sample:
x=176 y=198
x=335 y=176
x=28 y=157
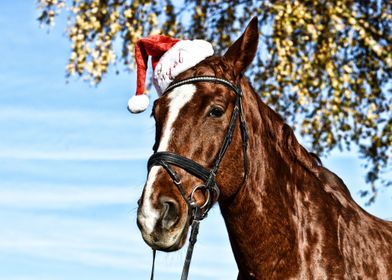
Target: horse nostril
x=170 y=213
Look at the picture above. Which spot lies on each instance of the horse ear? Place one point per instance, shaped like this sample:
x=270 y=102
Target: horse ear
x=241 y=53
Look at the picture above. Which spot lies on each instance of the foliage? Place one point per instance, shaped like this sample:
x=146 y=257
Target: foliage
x=324 y=65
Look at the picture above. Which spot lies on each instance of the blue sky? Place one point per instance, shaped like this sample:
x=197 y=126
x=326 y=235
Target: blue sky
x=72 y=166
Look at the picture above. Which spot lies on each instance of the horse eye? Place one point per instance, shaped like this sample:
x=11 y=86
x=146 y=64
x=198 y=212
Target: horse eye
x=216 y=112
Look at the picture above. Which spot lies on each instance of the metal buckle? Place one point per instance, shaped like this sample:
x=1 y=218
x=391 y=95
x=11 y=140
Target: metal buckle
x=193 y=201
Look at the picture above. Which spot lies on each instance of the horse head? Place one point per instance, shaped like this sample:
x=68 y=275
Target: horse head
x=192 y=121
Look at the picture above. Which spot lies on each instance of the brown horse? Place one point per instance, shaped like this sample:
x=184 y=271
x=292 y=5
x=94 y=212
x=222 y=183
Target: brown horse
x=287 y=217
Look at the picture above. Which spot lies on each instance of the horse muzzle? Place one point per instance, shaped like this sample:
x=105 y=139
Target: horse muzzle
x=164 y=228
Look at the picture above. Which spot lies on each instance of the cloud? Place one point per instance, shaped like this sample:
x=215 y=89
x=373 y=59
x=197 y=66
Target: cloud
x=59 y=134
x=80 y=154
x=55 y=197
x=109 y=243
x=44 y=223
x=83 y=116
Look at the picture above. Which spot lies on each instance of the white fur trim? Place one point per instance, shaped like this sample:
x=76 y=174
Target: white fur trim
x=138 y=103
x=182 y=56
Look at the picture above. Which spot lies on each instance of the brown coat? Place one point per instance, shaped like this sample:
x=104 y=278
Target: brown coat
x=292 y=218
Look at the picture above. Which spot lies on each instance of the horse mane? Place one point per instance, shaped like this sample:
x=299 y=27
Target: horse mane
x=277 y=130
x=288 y=145
x=281 y=133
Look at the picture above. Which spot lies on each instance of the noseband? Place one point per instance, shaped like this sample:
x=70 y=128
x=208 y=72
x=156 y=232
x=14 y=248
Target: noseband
x=197 y=213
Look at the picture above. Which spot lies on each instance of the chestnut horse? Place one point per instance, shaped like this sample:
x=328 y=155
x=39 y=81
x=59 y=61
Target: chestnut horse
x=287 y=216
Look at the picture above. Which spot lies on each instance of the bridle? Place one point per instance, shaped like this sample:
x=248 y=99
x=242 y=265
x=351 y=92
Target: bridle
x=197 y=213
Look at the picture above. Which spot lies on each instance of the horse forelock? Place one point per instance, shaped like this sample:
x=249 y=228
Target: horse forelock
x=211 y=66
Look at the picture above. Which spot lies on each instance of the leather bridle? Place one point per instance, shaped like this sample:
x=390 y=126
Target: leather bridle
x=197 y=213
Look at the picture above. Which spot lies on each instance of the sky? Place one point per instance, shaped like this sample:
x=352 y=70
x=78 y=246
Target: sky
x=73 y=164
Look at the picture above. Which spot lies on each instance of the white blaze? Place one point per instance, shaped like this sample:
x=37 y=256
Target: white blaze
x=178 y=98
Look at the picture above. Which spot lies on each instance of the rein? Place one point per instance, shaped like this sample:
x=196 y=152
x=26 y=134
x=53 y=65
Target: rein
x=197 y=213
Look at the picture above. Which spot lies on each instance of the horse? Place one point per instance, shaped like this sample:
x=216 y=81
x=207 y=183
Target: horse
x=287 y=216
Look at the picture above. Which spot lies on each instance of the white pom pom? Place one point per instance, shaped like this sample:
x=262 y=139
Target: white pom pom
x=138 y=103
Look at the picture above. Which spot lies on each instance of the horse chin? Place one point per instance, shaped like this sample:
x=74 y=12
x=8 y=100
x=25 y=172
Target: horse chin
x=168 y=240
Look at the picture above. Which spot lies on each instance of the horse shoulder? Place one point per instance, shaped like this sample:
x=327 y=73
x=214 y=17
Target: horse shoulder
x=364 y=240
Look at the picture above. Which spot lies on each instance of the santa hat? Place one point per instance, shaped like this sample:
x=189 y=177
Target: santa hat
x=169 y=57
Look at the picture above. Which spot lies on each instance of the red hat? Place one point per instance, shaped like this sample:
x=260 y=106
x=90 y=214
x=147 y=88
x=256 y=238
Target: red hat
x=169 y=57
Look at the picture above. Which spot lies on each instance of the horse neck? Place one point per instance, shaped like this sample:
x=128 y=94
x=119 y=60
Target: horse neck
x=259 y=217
x=295 y=219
